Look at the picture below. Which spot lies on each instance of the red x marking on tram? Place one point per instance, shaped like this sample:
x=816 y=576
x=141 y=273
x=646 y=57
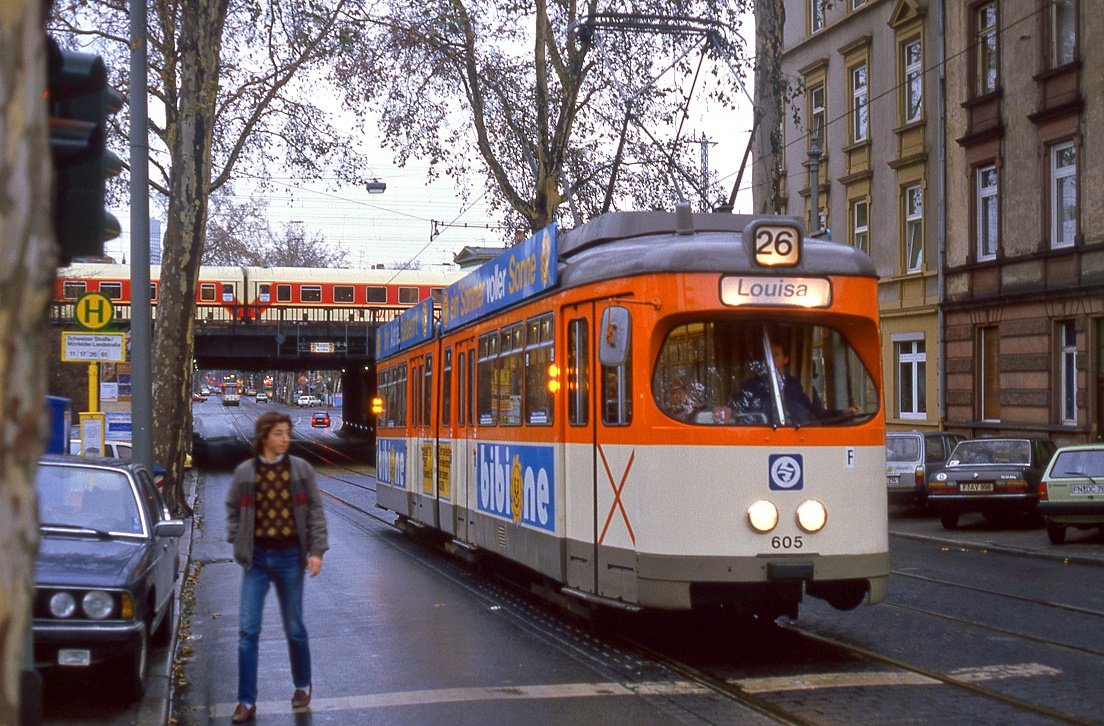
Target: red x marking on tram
x=617 y=488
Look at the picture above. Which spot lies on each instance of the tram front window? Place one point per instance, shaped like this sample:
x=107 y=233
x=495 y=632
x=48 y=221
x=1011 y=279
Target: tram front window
x=747 y=373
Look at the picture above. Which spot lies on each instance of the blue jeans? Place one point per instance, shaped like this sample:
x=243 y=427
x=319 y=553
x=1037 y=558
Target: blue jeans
x=282 y=568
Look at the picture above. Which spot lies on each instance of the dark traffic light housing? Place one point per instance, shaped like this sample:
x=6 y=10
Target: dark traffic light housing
x=80 y=101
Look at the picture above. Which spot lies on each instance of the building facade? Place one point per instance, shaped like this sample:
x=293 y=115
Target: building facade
x=865 y=74
x=1024 y=303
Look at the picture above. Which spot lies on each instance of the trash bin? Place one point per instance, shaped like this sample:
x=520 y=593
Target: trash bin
x=59 y=425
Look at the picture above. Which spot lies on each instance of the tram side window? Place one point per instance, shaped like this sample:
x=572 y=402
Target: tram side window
x=283 y=293
x=461 y=389
x=207 y=292
x=578 y=372
x=73 y=290
x=393 y=392
x=427 y=391
x=416 y=408
x=617 y=394
x=509 y=375
x=488 y=352
x=538 y=357
x=471 y=387
x=446 y=389
x=113 y=290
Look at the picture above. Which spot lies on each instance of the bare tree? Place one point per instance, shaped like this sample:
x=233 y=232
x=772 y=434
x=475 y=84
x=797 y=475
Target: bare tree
x=770 y=97
x=237 y=233
x=27 y=264
x=299 y=248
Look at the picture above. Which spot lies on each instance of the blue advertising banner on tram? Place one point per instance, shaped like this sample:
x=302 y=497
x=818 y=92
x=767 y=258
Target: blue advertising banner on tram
x=391 y=462
x=517 y=482
x=520 y=272
x=413 y=326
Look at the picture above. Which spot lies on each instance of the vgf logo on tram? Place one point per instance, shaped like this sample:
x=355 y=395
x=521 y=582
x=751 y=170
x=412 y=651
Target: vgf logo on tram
x=516 y=483
x=391 y=462
x=787 y=472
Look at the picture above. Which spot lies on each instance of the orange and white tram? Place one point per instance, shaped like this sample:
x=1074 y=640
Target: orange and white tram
x=654 y=410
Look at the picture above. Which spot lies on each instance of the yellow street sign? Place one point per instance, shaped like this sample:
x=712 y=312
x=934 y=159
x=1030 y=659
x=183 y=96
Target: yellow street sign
x=94 y=310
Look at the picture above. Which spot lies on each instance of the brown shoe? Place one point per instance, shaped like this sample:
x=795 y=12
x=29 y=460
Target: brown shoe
x=301 y=699
x=243 y=714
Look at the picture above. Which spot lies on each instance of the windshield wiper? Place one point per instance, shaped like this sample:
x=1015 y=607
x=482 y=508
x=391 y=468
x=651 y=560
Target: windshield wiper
x=1085 y=474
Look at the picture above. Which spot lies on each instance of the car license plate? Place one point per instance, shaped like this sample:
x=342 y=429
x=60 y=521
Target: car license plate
x=1087 y=489
x=893 y=480
x=74 y=657
x=975 y=486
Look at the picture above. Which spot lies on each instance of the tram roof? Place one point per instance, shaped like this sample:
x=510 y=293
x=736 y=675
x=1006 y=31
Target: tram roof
x=623 y=244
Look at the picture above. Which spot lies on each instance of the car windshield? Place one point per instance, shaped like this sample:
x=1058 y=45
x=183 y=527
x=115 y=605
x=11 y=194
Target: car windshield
x=1083 y=462
x=717 y=372
x=996 y=451
x=902 y=448
x=86 y=497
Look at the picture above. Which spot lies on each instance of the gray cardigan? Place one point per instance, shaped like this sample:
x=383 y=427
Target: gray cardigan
x=241 y=509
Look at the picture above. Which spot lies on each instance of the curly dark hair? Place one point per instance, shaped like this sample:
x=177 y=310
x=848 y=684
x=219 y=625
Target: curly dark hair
x=264 y=424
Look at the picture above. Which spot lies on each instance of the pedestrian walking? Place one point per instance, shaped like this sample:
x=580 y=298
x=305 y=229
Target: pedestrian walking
x=275 y=521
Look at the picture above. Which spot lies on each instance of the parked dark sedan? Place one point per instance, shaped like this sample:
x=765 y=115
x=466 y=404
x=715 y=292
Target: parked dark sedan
x=106 y=564
x=991 y=476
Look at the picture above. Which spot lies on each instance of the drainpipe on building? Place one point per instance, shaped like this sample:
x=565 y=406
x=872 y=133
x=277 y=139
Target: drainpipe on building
x=941 y=225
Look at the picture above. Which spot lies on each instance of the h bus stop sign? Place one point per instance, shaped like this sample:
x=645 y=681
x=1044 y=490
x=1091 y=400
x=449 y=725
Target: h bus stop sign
x=94 y=310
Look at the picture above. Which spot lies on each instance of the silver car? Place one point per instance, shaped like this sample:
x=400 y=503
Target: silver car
x=912 y=457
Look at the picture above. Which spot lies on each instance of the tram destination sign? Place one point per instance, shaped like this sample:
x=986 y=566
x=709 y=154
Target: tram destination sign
x=522 y=271
x=804 y=292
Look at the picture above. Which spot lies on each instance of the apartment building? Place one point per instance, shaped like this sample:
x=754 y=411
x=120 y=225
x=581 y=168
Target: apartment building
x=1024 y=302
x=866 y=74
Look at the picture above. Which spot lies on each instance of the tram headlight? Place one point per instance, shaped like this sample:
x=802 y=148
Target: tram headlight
x=811 y=516
x=762 y=516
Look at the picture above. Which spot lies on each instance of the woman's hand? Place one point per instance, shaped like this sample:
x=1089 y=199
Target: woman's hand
x=314 y=565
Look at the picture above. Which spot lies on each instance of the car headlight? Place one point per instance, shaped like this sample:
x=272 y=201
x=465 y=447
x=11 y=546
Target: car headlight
x=97 y=604
x=762 y=515
x=62 y=605
x=811 y=516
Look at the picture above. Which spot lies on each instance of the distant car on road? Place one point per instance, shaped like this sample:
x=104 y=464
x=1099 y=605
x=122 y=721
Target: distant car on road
x=262 y=397
x=1072 y=493
x=230 y=399
x=320 y=420
x=991 y=476
x=199 y=397
x=251 y=392
x=105 y=570
x=303 y=401
x=205 y=391
x=912 y=459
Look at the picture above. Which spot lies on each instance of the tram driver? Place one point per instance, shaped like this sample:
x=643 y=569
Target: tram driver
x=757 y=395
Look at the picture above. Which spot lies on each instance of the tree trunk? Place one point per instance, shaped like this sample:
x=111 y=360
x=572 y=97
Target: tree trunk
x=27 y=269
x=770 y=91
x=200 y=45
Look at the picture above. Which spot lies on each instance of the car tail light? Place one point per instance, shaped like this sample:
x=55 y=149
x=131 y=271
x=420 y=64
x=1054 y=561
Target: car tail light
x=1015 y=485
x=1042 y=490
x=919 y=476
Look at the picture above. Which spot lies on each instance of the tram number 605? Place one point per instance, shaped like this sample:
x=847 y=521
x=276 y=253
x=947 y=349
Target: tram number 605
x=787 y=543
x=777 y=246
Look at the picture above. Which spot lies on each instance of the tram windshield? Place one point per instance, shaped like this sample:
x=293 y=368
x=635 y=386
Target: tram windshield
x=747 y=373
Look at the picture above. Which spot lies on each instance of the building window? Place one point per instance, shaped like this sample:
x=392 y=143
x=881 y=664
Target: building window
x=817 y=9
x=817 y=113
x=985 y=68
x=911 y=388
x=1067 y=339
x=860 y=225
x=860 y=119
x=1063 y=32
x=1063 y=194
x=856 y=4
x=988 y=213
x=914 y=228
x=914 y=80
x=989 y=370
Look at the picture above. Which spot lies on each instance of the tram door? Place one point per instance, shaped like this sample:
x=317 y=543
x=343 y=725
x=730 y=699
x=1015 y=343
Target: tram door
x=462 y=464
x=580 y=453
x=423 y=446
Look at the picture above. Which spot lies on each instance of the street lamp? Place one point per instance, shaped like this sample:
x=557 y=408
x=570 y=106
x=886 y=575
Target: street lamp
x=375 y=186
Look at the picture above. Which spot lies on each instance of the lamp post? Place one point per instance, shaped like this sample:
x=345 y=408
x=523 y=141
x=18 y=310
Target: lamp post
x=814 y=182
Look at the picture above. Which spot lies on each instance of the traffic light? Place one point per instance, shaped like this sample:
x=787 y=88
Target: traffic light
x=79 y=102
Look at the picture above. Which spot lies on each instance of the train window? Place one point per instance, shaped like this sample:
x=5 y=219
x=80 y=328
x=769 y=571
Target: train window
x=408 y=295
x=206 y=292
x=488 y=352
x=113 y=290
x=438 y=294
x=509 y=375
x=228 y=292
x=376 y=294
x=446 y=389
x=283 y=293
x=538 y=358
x=461 y=388
x=264 y=292
x=343 y=293
x=617 y=386
x=427 y=391
x=718 y=372
x=153 y=291
x=578 y=372
x=310 y=293
x=72 y=290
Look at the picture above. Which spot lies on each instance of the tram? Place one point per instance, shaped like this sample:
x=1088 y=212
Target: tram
x=655 y=410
